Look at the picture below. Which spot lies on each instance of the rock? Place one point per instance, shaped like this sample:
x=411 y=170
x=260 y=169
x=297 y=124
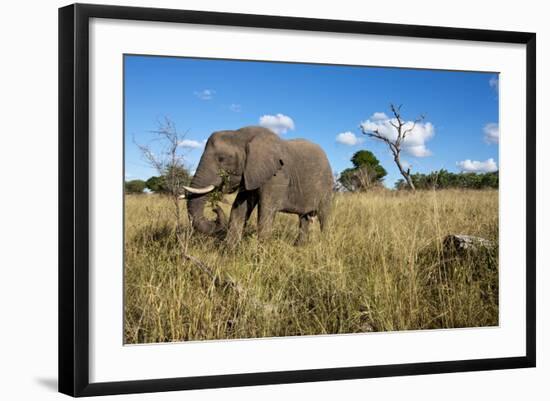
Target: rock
x=458 y=243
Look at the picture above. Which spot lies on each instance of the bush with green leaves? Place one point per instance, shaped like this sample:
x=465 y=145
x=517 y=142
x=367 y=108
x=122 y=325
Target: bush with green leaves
x=134 y=186
x=444 y=179
x=156 y=184
x=365 y=173
x=176 y=175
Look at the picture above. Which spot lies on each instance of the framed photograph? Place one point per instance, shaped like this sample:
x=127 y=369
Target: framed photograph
x=251 y=199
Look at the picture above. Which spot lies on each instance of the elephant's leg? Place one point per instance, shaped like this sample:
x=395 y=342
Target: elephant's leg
x=252 y=202
x=240 y=212
x=266 y=215
x=303 y=236
x=324 y=213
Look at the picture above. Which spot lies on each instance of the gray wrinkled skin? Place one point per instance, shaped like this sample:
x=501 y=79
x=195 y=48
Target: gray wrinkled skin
x=273 y=174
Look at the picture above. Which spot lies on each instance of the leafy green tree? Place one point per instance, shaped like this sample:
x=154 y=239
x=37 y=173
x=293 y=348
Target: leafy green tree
x=173 y=176
x=365 y=173
x=346 y=178
x=490 y=180
x=443 y=179
x=156 y=184
x=134 y=186
x=365 y=158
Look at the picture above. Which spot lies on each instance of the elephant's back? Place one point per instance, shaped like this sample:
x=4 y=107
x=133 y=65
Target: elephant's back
x=311 y=153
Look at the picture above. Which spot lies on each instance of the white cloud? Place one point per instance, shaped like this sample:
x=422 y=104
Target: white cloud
x=205 y=94
x=349 y=138
x=379 y=116
x=235 y=107
x=278 y=123
x=415 y=141
x=491 y=133
x=474 y=166
x=191 y=144
x=493 y=82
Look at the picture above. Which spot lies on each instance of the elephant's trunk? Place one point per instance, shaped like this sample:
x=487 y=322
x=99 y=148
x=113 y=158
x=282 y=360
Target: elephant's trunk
x=195 y=210
x=196 y=200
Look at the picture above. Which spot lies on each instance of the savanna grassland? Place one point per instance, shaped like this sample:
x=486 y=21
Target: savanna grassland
x=380 y=266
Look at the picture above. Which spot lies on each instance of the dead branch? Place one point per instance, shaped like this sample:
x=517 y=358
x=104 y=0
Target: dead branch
x=395 y=145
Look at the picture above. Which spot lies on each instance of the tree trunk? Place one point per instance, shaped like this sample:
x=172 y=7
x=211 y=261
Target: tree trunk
x=404 y=173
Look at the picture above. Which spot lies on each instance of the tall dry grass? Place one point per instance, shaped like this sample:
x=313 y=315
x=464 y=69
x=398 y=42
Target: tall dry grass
x=379 y=267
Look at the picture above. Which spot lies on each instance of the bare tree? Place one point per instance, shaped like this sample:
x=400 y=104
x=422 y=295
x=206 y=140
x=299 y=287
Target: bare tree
x=169 y=163
x=403 y=129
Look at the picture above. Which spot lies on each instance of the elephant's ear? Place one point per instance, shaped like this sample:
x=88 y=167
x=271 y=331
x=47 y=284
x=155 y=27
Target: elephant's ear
x=264 y=157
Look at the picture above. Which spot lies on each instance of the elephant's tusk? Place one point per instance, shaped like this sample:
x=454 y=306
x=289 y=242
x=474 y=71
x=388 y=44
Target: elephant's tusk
x=199 y=191
x=182 y=196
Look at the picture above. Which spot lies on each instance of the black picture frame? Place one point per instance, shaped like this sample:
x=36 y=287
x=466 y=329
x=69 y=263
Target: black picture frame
x=74 y=201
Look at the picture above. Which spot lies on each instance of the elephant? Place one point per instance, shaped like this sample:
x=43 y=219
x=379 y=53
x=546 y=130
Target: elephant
x=276 y=175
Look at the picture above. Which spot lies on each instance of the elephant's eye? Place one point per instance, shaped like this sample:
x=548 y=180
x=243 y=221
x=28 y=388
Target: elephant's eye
x=225 y=159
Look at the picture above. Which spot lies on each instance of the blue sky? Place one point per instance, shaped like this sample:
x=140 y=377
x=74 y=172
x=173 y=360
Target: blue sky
x=326 y=104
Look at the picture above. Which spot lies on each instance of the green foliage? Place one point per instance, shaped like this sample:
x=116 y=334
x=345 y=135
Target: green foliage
x=365 y=173
x=216 y=195
x=134 y=186
x=367 y=158
x=156 y=184
x=444 y=179
x=171 y=181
